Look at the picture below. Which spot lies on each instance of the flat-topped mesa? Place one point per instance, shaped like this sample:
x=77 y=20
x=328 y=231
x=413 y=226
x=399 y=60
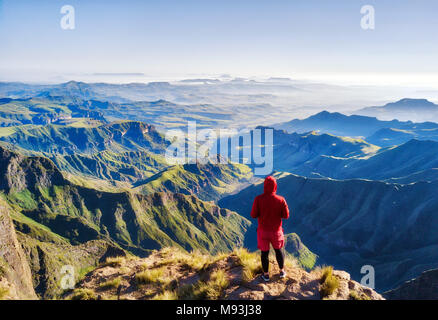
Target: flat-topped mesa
x=55 y=139
x=411 y=103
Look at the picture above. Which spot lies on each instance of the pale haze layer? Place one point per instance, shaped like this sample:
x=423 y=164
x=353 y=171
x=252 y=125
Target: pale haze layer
x=307 y=39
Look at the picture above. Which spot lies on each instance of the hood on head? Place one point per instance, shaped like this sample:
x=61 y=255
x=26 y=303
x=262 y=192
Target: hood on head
x=270 y=185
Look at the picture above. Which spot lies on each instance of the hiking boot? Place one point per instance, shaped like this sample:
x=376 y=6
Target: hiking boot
x=265 y=277
x=282 y=274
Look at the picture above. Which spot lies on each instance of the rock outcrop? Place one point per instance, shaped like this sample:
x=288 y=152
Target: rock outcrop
x=15 y=274
x=174 y=274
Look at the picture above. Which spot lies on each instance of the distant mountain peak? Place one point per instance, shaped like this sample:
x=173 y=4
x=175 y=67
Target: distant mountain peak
x=411 y=103
x=73 y=83
x=161 y=102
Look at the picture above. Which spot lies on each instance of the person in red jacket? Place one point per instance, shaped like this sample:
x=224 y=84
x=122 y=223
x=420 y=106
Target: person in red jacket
x=270 y=208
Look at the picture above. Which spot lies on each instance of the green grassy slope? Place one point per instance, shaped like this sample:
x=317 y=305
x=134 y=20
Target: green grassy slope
x=293 y=246
x=36 y=189
x=129 y=166
x=66 y=140
x=206 y=181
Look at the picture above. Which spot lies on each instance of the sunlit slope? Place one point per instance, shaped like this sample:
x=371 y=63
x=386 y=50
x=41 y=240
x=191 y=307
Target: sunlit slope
x=37 y=190
x=127 y=166
x=207 y=181
x=67 y=140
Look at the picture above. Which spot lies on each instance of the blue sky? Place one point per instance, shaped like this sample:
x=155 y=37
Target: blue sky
x=241 y=37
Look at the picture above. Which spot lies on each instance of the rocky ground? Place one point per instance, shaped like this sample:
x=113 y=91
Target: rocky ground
x=174 y=274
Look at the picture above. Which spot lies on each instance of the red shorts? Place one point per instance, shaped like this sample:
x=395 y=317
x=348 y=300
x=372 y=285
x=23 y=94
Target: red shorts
x=264 y=238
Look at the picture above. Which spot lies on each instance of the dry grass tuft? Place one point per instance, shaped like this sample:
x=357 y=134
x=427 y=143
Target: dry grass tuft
x=329 y=283
x=111 y=284
x=151 y=276
x=83 y=294
x=113 y=262
x=250 y=263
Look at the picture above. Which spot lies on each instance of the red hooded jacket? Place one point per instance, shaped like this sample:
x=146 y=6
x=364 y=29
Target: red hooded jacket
x=270 y=208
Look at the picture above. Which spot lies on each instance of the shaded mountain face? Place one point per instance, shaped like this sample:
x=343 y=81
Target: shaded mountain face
x=117 y=136
x=424 y=287
x=297 y=150
x=59 y=223
x=410 y=162
x=390 y=137
x=377 y=132
x=404 y=109
x=340 y=124
x=292 y=150
x=407 y=103
x=353 y=223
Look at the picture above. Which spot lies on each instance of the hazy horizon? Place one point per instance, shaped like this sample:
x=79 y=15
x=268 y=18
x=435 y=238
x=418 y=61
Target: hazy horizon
x=314 y=41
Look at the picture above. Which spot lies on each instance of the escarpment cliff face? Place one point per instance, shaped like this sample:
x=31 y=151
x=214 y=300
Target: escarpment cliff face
x=18 y=172
x=425 y=287
x=59 y=223
x=15 y=274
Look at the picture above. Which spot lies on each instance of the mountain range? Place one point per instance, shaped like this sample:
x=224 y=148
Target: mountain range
x=65 y=140
x=404 y=109
x=84 y=178
x=46 y=207
x=379 y=132
x=410 y=162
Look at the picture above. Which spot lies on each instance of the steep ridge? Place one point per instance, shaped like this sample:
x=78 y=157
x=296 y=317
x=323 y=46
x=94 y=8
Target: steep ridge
x=404 y=109
x=47 y=259
x=67 y=140
x=294 y=150
x=391 y=137
x=425 y=287
x=425 y=175
x=136 y=222
x=206 y=181
x=15 y=274
x=298 y=150
x=378 y=132
x=44 y=109
x=129 y=166
x=409 y=159
x=352 y=223
x=59 y=223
